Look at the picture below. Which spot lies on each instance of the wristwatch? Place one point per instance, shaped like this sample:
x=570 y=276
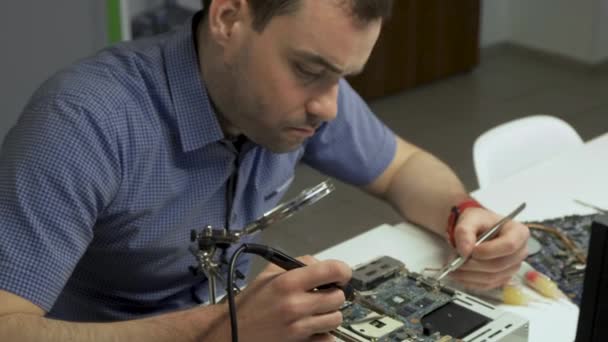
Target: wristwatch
x=455 y=213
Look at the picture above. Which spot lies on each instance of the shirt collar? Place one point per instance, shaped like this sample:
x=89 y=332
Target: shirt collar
x=197 y=121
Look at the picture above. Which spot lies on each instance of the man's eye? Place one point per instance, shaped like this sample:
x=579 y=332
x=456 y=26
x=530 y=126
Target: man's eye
x=306 y=73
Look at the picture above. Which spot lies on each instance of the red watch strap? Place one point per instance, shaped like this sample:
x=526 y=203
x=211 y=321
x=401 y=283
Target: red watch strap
x=455 y=213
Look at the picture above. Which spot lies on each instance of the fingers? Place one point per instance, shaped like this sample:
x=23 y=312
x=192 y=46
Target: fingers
x=326 y=301
x=497 y=264
x=474 y=222
x=465 y=239
x=308 y=259
x=511 y=238
x=494 y=261
x=313 y=276
x=310 y=303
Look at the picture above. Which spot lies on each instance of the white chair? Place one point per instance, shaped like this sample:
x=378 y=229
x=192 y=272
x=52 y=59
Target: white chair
x=518 y=144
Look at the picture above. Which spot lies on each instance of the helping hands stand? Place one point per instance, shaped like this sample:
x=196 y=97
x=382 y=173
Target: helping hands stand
x=211 y=240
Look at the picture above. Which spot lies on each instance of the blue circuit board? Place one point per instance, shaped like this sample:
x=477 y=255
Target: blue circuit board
x=393 y=304
x=402 y=296
x=558 y=259
x=406 y=301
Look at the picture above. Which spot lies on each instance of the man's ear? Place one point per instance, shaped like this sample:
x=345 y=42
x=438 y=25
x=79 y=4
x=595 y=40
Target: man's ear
x=227 y=18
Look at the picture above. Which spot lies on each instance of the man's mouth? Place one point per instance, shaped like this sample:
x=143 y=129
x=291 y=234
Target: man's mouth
x=305 y=131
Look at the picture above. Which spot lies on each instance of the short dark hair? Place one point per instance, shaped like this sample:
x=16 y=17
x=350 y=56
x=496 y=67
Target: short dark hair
x=364 y=10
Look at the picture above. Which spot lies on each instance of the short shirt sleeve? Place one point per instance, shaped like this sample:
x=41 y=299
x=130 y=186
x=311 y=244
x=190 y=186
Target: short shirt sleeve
x=355 y=147
x=57 y=173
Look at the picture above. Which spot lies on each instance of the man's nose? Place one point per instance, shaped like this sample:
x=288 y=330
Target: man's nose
x=325 y=105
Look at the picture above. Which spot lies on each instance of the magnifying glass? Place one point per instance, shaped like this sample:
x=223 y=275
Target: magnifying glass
x=285 y=210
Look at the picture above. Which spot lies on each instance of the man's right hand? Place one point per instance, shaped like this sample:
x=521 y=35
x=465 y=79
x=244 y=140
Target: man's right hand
x=283 y=306
x=276 y=306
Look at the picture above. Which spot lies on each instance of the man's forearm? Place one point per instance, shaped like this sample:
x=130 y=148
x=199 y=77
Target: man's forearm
x=189 y=325
x=424 y=189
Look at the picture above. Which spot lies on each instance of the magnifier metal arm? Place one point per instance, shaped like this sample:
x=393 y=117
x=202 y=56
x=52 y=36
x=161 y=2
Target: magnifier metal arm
x=210 y=239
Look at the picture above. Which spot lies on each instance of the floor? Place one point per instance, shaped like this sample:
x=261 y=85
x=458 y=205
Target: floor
x=445 y=117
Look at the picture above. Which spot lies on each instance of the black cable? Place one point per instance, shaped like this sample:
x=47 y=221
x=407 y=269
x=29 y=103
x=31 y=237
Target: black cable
x=273 y=255
x=267 y=253
x=231 y=304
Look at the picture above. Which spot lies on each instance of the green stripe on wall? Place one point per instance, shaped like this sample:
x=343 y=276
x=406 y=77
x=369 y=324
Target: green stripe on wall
x=114 y=23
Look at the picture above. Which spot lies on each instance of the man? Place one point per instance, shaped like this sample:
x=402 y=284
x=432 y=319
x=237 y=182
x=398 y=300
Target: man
x=117 y=158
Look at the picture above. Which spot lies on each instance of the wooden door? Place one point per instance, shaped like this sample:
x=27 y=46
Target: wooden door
x=425 y=40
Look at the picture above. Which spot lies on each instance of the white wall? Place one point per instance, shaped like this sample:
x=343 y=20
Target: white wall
x=36 y=43
x=191 y=4
x=575 y=29
x=136 y=7
x=564 y=27
x=601 y=36
x=132 y=8
x=495 y=22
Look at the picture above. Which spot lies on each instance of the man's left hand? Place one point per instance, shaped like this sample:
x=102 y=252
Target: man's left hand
x=493 y=262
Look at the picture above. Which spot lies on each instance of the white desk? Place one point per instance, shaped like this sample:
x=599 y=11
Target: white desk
x=548 y=188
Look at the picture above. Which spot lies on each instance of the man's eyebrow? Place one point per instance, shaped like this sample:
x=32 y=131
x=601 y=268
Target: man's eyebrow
x=314 y=58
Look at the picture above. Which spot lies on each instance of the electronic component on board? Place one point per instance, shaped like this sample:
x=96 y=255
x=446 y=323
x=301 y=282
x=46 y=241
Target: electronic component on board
x=452 y=319
x=375 y=327
x=375 y=272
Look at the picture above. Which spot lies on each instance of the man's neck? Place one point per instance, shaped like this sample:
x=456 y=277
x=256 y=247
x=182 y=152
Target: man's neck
x=228 y=129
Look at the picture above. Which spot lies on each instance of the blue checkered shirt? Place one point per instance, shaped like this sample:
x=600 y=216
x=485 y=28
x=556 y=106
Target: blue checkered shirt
x=117 y=158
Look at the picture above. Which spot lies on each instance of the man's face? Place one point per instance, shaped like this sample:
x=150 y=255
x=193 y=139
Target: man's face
x=282 y=83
